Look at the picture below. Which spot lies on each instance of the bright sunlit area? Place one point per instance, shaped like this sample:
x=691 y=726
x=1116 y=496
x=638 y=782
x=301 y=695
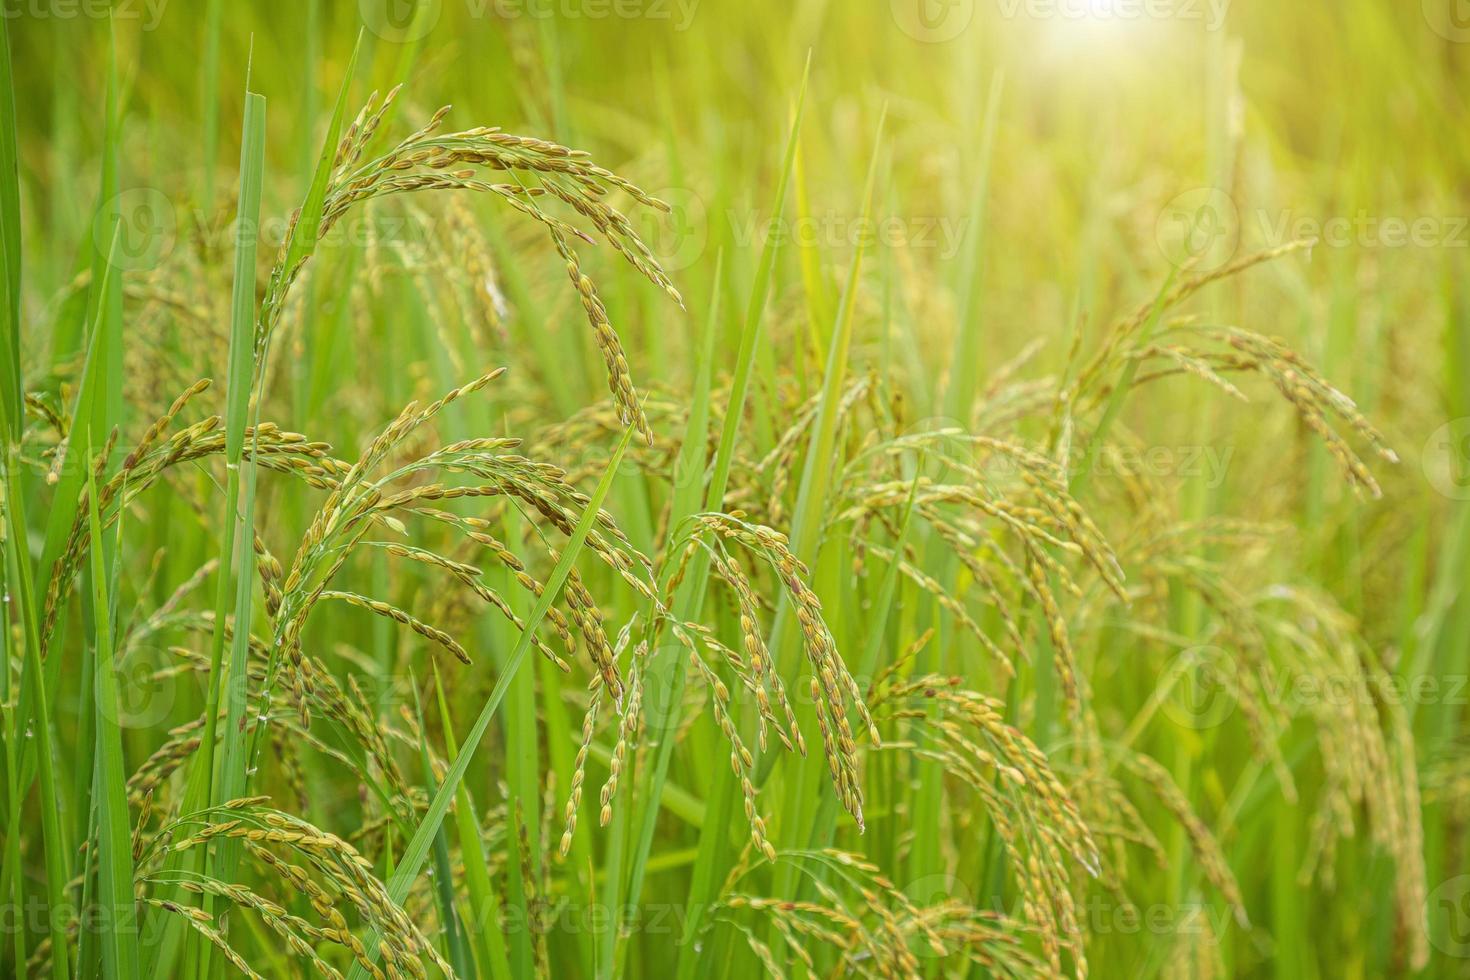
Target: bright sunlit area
x=963 y=489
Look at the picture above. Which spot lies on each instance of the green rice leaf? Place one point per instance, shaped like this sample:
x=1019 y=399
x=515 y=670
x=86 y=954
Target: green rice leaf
x=114 y=828
x=417 y=851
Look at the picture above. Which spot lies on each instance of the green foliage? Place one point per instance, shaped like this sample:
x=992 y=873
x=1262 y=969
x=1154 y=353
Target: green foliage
x=1010 y=571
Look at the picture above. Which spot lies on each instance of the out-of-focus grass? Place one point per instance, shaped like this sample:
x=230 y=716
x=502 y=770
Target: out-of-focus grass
x=1269 y=710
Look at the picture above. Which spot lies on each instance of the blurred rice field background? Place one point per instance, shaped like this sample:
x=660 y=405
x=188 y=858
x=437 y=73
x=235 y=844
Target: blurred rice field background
x=946 y=488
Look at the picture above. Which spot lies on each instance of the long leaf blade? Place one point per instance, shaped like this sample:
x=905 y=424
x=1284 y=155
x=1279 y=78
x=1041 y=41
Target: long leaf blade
x=417 y=851
x=114 y=831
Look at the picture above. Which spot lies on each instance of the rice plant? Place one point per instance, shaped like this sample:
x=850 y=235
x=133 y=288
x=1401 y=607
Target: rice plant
x=817 y=492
